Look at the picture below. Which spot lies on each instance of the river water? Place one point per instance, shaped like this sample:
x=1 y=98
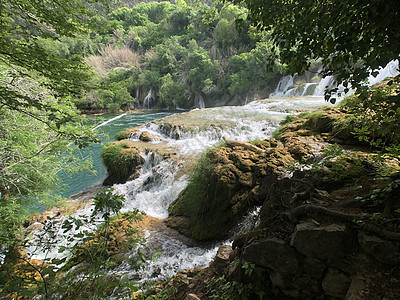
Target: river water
x=74 y=183
x=162 y=179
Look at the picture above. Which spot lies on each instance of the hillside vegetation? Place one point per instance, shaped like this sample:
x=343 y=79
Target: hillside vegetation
x=181 y=53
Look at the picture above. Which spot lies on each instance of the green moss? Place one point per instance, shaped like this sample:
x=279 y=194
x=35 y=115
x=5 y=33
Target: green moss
x=196 y=191
x=121 y=160
x=123 y=134
x=206 y=200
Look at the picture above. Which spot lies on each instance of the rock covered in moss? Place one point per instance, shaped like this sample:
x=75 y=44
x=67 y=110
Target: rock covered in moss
x=122 y=160
x=229 y=183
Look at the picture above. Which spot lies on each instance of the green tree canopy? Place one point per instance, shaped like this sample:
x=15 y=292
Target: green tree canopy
x=351 y=36
x=37 y=118
x=22 y=25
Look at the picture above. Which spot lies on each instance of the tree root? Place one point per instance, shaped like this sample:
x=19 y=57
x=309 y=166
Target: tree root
x=313 y=211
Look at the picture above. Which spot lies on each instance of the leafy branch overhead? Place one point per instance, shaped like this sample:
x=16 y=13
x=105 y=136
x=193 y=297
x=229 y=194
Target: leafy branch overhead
x=351 y=37
x=22 y=55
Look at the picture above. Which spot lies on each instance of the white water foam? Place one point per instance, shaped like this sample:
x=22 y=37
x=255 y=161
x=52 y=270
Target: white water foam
x=154 y=190
x=390 y=70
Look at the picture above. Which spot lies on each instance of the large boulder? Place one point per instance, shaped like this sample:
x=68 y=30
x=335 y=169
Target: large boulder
x=225 y=185
x=335 y=283
x=326 y=242
x=122 y=160
x=272 y=253
x=382 y=250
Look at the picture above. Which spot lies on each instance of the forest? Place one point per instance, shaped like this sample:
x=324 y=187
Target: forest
x=179 y=52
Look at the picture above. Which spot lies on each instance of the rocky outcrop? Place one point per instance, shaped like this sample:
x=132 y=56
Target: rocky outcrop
x=317 y=236
x=234 y=184
x=320 y=232
x=122 y=160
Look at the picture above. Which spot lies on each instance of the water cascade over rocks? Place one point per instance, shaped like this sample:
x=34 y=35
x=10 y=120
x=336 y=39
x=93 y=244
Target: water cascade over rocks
x=176 y=141
x=199 y=101
x=304 y=86
x=169 y=151
x=148 y=101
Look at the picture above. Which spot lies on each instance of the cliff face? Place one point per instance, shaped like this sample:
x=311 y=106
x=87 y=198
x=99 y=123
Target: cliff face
x=329 y=223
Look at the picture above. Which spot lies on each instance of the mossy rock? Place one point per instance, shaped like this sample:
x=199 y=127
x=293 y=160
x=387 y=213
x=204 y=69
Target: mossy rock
x=225 y=184
x=122 y=160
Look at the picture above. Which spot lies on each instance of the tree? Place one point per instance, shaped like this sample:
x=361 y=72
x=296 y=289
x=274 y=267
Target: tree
x=37 y=121
x=171 y=93
x=201 y=71
x=351 y=37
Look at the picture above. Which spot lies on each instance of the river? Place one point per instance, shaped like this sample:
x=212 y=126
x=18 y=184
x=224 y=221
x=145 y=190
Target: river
x=162 y=179
x=74 y=183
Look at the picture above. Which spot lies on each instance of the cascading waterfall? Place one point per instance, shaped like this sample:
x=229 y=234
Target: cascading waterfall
x=390 y=70
x=148 y=101
x=325 y=83
x=160 y=181
x=306 y=88
x=199 y=101
x=283 y=87
x=286 y=86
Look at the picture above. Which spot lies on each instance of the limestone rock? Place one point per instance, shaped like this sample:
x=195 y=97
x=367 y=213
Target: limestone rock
x=356 y=286
x=382 y=250
x=146 y=136
x=221 y=260
x=313 y=267
x=180 y=223
x=324 y=242
x=335 y=283
x=282 y=281
x=228 y=191
x=272 y=253
x=122 y=159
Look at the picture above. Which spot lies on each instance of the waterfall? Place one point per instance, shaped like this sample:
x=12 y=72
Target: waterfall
x=199 y=101
x=154 y=189
x=306 y=87
x=161 y=181
x=148 y=101
x=282 y=90
x=390 y=70
x=286 y=86
x=326 y=82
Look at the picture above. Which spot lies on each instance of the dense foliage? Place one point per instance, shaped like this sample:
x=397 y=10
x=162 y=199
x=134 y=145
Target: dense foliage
x=179 y=52
x=351 y=37
x=37 y=119
x=374 y=116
